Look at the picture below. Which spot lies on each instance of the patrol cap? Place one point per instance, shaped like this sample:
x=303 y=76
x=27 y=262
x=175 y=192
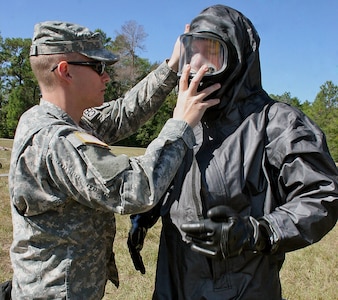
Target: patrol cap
x=55 y=37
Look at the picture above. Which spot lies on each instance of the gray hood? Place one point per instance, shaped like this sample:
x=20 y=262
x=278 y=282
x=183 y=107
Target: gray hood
x=243 y=76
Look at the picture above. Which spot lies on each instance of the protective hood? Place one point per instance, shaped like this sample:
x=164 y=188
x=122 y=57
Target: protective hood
x=242 y=78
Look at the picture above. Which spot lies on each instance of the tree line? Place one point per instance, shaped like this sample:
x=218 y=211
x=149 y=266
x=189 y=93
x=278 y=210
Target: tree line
x=19 y=89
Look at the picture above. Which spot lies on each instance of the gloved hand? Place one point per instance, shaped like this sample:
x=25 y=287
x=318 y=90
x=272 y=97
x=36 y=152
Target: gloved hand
x=225 y=234
x=140 y=224
x=136 y=236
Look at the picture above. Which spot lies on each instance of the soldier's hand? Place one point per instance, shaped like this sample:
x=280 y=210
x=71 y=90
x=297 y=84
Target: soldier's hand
x=190 y=105
x=225 y=234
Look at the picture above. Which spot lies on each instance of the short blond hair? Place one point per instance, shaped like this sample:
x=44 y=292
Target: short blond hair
x=43 y=64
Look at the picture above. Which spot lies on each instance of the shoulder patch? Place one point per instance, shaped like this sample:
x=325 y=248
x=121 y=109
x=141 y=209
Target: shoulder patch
x=90 y=113
x=89 y=139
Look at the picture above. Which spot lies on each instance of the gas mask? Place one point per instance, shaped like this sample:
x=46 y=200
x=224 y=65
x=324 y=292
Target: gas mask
x=204 y=48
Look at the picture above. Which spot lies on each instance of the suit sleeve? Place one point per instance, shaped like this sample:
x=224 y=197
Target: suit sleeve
x=307 y=179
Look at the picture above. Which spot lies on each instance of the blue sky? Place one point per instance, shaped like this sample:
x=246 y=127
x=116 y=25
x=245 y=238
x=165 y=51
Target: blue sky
x=299 y=39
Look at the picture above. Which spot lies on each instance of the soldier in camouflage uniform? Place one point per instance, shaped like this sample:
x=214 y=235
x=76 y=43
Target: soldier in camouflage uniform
x=65 y=184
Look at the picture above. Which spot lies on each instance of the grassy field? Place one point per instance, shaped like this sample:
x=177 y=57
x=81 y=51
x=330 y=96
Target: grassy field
x=310 y=273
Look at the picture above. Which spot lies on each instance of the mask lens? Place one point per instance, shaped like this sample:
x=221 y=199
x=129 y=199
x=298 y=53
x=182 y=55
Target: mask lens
x=198 y=50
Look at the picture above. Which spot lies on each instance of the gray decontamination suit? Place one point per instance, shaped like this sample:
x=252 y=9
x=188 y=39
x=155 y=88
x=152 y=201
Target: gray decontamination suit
x=260 y=157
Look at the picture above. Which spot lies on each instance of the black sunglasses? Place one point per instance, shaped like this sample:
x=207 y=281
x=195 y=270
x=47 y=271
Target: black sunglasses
x=97 y=66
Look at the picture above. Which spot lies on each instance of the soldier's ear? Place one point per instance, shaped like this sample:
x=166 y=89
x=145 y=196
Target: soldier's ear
x=63 y=71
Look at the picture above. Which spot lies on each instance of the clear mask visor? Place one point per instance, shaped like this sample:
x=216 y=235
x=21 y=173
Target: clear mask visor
x=199 y=49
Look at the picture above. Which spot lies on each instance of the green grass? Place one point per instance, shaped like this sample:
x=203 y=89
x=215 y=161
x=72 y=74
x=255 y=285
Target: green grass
x=309 y=273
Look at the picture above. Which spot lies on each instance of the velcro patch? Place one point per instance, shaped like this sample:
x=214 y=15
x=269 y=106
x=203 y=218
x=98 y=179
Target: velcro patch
x=91 y=113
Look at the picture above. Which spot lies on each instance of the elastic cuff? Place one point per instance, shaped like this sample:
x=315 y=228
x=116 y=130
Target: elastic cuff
x=272 y=237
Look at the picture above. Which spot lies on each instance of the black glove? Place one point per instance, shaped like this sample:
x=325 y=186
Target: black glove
x=225 y=234
x=140 y=224
x=136 y=236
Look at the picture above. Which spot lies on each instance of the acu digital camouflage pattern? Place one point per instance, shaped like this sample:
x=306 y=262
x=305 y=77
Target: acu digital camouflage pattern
x=54 y=37
x=66 y=187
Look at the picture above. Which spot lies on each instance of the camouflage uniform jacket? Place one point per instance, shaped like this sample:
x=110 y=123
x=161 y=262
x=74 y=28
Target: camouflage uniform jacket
x=65 y=186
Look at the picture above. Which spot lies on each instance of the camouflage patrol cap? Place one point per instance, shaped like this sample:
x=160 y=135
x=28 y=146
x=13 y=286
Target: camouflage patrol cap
x=55 y=37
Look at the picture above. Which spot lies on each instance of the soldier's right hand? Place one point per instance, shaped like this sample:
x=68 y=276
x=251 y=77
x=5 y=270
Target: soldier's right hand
x=190 y=106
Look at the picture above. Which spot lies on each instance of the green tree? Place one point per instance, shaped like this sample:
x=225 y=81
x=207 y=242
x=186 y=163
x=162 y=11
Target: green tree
x=324 y=112
x=306 y=108
x=15 y=107
x=286 y=98
x=19 y=87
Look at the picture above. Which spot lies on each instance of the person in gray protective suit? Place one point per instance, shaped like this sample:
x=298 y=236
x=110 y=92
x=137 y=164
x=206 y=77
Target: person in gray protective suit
x=259 y=183
x=65 y=184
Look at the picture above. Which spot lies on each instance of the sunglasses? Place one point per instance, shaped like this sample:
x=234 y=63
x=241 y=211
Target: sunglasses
x=97 y=66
